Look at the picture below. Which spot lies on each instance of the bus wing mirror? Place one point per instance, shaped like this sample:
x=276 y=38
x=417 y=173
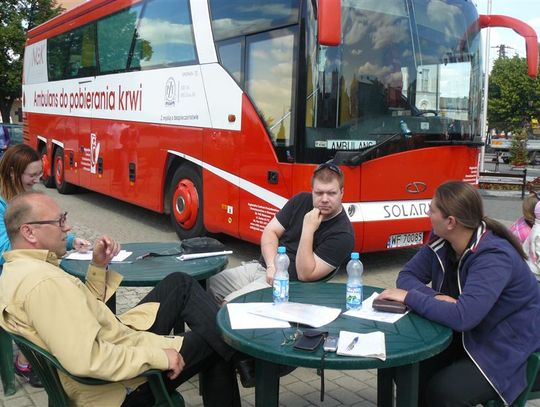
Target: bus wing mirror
x=523 y=29
x=329 y=22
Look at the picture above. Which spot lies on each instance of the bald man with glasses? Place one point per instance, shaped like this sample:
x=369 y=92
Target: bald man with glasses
x=314 y=229
x=69 y=318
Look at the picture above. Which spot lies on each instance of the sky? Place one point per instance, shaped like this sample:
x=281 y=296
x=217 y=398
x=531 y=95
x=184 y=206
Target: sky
x=527 y=11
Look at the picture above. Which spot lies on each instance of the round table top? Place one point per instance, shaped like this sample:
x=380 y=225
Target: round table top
x=409 y=340
x=151 y=270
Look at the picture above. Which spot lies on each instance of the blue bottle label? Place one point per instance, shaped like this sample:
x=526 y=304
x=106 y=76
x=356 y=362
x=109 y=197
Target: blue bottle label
x=281 y=290
x=354 y=297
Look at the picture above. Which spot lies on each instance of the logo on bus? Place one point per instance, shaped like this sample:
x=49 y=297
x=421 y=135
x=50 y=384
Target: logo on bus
x=416 y=187
x=170 y=92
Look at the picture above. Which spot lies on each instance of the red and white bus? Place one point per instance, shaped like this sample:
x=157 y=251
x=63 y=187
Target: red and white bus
x=216 y=112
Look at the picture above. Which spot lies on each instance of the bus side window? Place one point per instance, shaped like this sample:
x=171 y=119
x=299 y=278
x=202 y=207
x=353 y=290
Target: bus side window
x=82 y=53
x=57 y=56
x=230 y=55
x=114 y=38
x=269 y=80
x=164 y=36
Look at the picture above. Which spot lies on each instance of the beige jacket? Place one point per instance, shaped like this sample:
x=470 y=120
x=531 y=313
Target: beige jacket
x=56 y=311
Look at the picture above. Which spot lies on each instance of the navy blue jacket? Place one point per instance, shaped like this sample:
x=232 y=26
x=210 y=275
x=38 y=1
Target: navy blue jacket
x=497 y=311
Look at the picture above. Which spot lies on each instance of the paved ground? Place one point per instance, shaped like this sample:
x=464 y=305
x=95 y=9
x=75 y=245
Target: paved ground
x=301 y=388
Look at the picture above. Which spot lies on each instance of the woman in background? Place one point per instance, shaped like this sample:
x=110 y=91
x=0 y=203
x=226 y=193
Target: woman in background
x=482 y=288
x=20 y=170
x=521 y=228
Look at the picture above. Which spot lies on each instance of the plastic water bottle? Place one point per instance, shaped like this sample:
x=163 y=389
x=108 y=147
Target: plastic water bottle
x=355 y=268
x=404 y=128
x=281 y=277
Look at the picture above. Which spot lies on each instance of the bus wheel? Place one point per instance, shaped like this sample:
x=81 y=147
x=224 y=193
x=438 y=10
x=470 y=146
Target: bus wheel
x=46 y=178
x=59 y=177
x=187 y=203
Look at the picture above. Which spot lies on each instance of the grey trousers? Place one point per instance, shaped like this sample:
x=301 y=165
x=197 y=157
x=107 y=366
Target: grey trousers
x=236 y=281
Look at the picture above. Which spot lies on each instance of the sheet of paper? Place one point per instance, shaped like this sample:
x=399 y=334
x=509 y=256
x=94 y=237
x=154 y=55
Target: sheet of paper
x=371 y=345
x=367 y=312
x=121 y=256
x=307 y=314
x=202 y=255
x=240 y=317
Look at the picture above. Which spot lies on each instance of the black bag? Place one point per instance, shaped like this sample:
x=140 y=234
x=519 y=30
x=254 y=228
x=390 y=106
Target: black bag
x=202 y=245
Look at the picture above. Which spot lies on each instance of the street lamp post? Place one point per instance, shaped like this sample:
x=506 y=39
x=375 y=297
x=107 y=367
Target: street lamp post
x=484 y=128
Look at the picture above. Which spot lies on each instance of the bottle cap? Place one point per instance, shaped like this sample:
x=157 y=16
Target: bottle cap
x=355 y=256
x=281 y=250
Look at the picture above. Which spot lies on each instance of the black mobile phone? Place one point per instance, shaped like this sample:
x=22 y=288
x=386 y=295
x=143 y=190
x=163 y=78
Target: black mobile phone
x=330 y=344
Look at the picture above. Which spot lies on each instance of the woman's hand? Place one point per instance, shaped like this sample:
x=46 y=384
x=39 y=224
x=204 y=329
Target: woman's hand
x=81 y=245
x=394 y=294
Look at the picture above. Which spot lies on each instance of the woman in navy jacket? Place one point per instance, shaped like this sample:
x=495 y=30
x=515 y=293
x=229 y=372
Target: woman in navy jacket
x=482 y=288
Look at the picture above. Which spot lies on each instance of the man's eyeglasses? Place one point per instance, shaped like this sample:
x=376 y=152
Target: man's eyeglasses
x=61 y=221
x=330 y=166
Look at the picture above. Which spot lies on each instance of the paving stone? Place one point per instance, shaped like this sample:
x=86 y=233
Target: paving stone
x=315 y=400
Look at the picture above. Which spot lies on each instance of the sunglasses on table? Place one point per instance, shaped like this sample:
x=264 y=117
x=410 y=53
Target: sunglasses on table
x=60 y=222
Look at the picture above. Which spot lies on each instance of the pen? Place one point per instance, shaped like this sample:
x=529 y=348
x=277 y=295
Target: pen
x=353 y=343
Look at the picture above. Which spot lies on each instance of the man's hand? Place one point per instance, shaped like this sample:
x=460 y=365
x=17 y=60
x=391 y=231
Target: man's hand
x=270 y=271
x=176 y=363
x=105 y=249
x=81 y=245
x=312 y=220
x=394 y=294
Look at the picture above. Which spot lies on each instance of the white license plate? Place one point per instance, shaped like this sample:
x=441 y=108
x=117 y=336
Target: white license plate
x=405 y=240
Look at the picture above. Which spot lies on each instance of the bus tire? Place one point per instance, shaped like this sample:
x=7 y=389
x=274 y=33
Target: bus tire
x=46 y=178
x=186 y=201
x=62 y=185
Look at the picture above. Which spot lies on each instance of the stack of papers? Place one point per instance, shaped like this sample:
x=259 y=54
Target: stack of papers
x=371 y=345
x=267 y=315
x=307 y=314
x=367 y=312
x=240 y=317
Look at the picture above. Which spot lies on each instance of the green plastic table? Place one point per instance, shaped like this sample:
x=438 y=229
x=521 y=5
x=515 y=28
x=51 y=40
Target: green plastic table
x=149 y=271
x=409 y=341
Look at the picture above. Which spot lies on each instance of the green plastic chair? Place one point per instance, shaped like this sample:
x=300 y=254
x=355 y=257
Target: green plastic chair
x=533 y=364
x=7 y=371
x=46 y=366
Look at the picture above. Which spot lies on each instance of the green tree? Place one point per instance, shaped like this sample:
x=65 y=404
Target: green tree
x=514 y=97
x=518 y=149
x=16 y=18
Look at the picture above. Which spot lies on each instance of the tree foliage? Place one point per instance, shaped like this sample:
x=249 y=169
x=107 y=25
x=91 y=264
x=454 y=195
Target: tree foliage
x=514 y=97
x=518 y=149
x=16 y=18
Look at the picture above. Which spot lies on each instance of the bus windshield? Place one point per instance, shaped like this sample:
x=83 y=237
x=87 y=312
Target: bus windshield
x=407 y=75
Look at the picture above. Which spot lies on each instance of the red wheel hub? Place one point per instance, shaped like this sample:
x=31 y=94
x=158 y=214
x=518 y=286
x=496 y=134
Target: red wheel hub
x=185 y=203
x=46 y=166
x=59 y=170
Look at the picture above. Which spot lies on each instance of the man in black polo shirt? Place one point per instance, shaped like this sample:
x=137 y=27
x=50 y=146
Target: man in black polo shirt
x=313 y=227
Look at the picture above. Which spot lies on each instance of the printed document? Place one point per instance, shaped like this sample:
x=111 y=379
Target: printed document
x=121 y=256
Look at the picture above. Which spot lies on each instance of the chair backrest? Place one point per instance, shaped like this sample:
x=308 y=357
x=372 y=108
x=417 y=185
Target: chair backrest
x=533 y=365
x=45 y=366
